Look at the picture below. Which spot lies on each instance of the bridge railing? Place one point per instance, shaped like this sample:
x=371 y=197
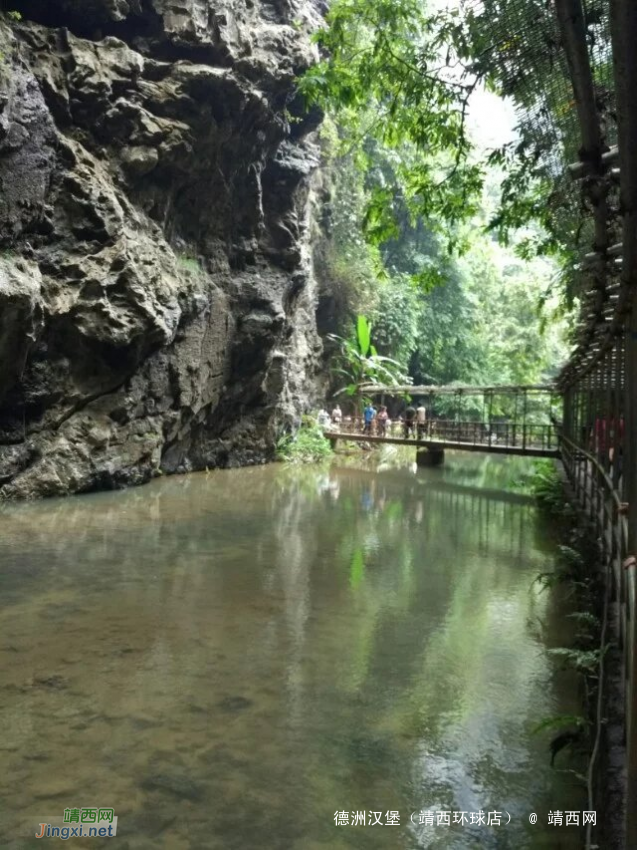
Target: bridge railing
x=599 y=500
x=595 y=489
x=513 y=434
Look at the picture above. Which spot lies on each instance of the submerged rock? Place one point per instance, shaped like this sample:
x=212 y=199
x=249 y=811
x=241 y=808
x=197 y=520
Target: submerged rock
x=53 y=682
x=174 y=784
x=234 y=704
x=157 y=303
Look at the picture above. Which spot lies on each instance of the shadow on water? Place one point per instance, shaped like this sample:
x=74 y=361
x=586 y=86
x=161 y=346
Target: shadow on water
x=228 y=659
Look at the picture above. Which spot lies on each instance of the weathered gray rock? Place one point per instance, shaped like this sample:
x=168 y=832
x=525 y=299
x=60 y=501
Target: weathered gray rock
x=157 y=305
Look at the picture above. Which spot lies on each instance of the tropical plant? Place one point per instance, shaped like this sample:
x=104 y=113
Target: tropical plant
x=361 y=365
x=584 y=661
x=560 y=722
x=572 y=730
x=547 y=487
x=476 y=319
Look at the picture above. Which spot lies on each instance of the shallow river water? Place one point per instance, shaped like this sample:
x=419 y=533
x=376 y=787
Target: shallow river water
x=229 y=659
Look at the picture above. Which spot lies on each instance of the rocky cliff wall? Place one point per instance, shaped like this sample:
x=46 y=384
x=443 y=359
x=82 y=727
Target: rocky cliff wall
x=157 y=303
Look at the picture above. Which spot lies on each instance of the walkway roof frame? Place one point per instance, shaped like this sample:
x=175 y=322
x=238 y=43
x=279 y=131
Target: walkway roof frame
x=375 y=389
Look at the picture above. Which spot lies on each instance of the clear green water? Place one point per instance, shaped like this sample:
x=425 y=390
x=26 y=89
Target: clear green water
x=228 y=659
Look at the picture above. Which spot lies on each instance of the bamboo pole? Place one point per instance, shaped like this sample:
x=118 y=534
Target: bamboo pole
x=608 y=406
x=577 y=170
x=618 y=410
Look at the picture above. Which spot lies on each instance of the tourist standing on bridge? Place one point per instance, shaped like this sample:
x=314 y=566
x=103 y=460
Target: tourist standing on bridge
x=369 y=414
x=410 y=420
x=337 y=415
x=421 y=420
x=381 y=421
x=323 y=418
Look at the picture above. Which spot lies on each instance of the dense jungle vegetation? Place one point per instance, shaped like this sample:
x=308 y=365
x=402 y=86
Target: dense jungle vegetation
x=461 y=252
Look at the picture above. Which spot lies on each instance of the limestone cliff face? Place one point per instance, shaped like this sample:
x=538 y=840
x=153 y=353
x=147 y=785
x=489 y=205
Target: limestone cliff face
x=157 y=305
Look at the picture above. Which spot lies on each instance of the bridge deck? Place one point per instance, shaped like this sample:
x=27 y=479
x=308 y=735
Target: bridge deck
x=429 y=443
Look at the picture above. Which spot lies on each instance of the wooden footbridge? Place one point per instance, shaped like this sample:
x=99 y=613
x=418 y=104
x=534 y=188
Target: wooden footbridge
x=434 y=443
x=515 y=421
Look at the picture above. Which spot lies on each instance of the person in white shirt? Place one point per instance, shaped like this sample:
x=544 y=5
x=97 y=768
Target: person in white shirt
x=337 y=415
x=421 y=419
x=323 y=418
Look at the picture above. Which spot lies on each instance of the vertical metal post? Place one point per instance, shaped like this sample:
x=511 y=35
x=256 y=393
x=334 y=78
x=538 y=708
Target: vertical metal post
x=579 y=438
x=629 y=474
x=602 y=420
x=567 y=423
x=524 y=407
x=588 y=417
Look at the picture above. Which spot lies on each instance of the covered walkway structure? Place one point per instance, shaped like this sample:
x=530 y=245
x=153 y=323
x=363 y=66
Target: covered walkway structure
x=515 y=420
x=599 y=384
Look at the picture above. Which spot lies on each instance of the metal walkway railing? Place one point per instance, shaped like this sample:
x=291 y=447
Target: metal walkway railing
x=501 y=437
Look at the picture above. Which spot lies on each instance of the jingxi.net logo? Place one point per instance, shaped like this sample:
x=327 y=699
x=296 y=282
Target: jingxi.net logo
x=90 y=822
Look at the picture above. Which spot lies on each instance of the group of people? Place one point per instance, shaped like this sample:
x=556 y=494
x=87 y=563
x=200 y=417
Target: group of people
x=377 y=421
x=414 y=424
x=371 y=416
x=326 y=419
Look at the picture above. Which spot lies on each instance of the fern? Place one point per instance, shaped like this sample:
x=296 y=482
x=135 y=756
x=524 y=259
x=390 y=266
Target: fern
x=584 y=661
x=560 y=722
x=547 y=487
x=585 y=618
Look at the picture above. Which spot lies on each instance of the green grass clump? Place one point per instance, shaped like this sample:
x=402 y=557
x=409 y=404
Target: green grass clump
x=308 y=445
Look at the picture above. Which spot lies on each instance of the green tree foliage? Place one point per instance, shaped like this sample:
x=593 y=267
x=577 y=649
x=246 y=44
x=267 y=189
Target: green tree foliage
x=393 y=76
x=402 y=73
x=408 y=184
x=474 y=319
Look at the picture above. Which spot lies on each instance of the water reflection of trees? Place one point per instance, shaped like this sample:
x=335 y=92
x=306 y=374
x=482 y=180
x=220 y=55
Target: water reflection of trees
x=379 y=623
x=401 y=541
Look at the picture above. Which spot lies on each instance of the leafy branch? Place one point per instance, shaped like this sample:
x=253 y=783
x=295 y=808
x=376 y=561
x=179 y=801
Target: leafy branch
x=383 y=59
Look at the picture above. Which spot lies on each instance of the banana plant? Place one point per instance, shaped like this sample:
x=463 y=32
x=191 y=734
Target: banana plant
x=360 y=364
